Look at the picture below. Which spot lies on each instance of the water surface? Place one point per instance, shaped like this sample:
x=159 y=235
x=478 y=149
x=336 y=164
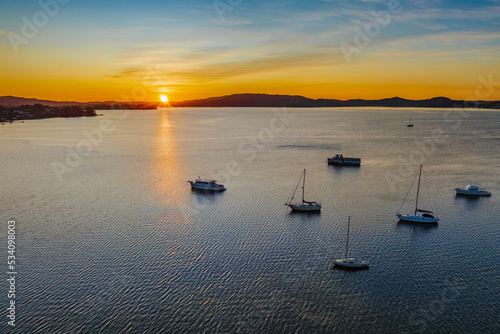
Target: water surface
x=120 y=243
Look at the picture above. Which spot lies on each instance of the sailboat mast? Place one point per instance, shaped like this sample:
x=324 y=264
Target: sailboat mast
x=418 y=190
x=347 y=241
x=303 y=185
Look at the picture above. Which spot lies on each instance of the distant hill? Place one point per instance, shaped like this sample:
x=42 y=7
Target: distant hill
x=266 y=100
x=14 y=101
x=251 y=100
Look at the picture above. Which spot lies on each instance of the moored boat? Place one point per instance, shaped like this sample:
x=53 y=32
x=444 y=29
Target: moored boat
x=425 y=217
x=304 y=205
x=210 y=185
x=339 y=159
x=471 y=190
x=419 y=215
x=350 y=262
x=410 y=124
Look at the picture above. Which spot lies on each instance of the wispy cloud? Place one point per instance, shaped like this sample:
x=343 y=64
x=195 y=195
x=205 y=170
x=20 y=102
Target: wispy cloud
x=485 y=13
x=215 y=70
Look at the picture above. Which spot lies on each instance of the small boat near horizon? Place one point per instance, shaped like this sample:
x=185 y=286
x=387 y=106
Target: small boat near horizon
x=471 y=190
x=209 y=185
x=350 y=262
x=419 y=215
x=339 y=159
x=304 y=205
x=410 y=124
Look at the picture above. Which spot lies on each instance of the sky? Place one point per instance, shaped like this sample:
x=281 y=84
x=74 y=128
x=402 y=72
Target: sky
x=88 y=50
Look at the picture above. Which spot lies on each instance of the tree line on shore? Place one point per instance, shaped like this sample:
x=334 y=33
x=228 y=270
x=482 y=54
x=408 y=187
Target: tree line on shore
x=38 y=111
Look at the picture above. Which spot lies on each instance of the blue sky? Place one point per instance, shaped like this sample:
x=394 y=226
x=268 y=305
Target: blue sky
x=255 y=46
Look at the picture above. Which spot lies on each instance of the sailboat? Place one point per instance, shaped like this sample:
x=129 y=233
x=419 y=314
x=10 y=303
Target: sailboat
x=419 y=216
x=350 y=262
x=304 y=205
x=410 y=124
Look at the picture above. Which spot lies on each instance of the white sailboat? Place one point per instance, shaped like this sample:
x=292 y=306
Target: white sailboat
x=419 y=215
x=350 y=262
x=304 y=205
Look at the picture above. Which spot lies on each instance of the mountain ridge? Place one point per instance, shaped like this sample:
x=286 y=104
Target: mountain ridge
x=268 y=100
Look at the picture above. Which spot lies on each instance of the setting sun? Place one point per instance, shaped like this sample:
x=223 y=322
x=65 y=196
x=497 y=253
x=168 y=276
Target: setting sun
x=164 y=98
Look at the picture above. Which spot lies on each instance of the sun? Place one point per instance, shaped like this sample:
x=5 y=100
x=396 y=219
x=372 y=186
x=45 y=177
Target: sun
x=164 y=98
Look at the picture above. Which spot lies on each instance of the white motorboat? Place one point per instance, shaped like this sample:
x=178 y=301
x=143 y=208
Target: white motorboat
x=304 y=205
x=209 y=185
x=419 y=216
x=471 y=190
x=350 y=262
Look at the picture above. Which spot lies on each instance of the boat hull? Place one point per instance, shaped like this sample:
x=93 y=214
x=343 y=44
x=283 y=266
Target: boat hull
x=207 y=187
x=305 y=207
x=339 y=159
x=418 y=219
x=465 y=192
x=343 y=163
x=351 y=263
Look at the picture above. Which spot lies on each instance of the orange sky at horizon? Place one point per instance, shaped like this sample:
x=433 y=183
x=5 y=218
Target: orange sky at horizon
x=364 y=79
x=131 y=92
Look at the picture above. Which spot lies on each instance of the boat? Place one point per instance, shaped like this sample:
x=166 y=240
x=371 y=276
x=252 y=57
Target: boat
x=471 y=190
x=350 y=262
x=210 y=185
x=419 y=215
x=339 y=159
x=304 y=205
x=410 y=124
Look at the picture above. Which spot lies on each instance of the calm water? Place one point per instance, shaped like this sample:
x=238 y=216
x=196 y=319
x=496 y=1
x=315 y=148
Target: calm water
x=119 y=242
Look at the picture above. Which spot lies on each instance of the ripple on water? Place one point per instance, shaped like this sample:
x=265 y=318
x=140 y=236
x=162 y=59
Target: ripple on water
x=122 y=244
